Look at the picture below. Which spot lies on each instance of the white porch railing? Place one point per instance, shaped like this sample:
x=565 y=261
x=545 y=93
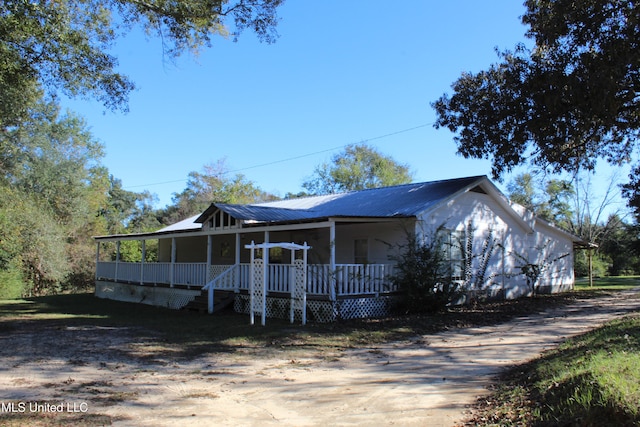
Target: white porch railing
x=157 y=272
x=349 y=279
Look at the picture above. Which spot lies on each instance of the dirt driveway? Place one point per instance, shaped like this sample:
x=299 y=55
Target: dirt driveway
x=102 y=375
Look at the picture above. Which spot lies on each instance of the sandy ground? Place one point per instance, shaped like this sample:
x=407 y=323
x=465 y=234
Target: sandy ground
x=427 y=381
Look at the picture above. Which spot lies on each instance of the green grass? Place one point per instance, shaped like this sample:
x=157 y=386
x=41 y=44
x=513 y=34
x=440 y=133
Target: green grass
x=590 y=380
x=609 y=283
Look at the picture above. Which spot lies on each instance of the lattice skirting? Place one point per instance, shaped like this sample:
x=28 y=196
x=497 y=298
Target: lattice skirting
x=364 y=308
x=324 y=311
x=162 y=297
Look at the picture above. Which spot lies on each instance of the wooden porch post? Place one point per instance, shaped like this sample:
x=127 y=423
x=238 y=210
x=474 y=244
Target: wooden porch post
x=332 y=260
x=117 y=258
x=237 y=270
x=251 y=284
x=97 y=258
x=265 y=258
x=173 y=262
x=237 y=248
x=144 y=255
x=209 y=252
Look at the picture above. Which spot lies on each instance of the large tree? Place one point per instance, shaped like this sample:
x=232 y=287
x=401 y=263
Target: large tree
x=64 y=45
x=358 y=167
x=51 y=187
x=549 y=199
x=214 y=184
x=569 y=100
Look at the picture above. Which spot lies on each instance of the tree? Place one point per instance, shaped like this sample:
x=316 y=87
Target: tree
x=64 y=45
x=213 y=184
x=631 y=192
x=359 y=167
x=51 y=185
x=550 y=199
x=127 y=211
x=619 y=248
x=566 y=102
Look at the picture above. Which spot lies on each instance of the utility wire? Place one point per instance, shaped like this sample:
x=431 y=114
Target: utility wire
x=288 y=159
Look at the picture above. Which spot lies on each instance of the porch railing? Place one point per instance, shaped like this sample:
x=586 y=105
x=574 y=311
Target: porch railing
x=349 y=279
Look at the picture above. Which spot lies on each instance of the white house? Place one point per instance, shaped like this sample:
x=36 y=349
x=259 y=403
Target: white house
x=349 y=238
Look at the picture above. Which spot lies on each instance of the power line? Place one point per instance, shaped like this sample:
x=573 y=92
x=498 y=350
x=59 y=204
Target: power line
x=288 y=159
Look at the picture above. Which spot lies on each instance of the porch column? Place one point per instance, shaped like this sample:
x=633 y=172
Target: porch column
x=332 y=260
x=265 y=258
x=117 y=258
x=97 y=258
x=237 y=270
x=237 y=248
x=173 y=262
x=209 y=252
x=143 y=257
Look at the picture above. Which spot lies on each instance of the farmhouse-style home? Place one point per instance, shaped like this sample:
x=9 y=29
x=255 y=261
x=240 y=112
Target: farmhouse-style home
x=329 y=257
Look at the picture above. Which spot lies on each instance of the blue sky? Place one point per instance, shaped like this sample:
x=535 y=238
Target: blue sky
x=342 y=72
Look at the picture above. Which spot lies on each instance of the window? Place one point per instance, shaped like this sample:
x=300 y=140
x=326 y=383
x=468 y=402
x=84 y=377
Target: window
x=453 y=246
x=361 y=251
x=225 y=250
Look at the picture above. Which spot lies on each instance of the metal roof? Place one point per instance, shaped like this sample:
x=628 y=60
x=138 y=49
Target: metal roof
x=186 y=224
x=387 y=202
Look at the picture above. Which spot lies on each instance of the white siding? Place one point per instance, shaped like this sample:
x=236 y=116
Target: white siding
x=382 y=238
x=516 y=243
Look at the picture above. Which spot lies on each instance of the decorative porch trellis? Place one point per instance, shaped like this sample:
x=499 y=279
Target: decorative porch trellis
x=259 y=280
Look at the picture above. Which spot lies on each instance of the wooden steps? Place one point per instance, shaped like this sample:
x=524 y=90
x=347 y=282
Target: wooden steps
x=221 y=300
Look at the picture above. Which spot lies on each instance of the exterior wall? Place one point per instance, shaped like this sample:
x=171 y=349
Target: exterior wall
x=382 y=239
x=223 y=249
x=515 y=244
x=188 y=249
x=317 y=238
x=554 y=250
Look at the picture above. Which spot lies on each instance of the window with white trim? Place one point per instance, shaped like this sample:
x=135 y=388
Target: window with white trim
x=361 y=251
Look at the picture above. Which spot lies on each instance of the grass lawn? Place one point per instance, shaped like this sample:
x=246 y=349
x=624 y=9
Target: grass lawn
x=608 y=283
x=590 y=380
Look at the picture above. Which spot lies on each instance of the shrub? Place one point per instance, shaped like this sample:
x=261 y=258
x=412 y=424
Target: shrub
x=422 y=276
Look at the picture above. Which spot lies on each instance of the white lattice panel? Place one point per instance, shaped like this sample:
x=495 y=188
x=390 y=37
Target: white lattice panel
x=278 y=308
x=300 y=279
x=258 y=286
x=216 y=270
x=321 y=311
x=362 y=308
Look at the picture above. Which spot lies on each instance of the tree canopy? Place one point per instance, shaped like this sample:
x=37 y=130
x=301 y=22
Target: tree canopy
x=564 y=103
x=51 y=187
x=358 y=167
x=549 y=199
x=65 y=45
x=213 y=184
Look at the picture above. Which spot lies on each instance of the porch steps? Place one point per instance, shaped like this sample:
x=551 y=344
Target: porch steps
x=221 y=300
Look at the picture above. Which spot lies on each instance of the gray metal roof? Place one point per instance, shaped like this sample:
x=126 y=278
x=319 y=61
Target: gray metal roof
x=388 y=202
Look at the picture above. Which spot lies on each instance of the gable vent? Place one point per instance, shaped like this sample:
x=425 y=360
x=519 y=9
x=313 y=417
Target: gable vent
x=478 y=189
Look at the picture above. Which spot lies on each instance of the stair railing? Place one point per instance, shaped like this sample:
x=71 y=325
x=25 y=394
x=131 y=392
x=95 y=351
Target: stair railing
x=218 y=282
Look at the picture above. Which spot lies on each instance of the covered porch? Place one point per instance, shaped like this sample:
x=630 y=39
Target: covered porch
x=347 y=261
x=322 y=279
